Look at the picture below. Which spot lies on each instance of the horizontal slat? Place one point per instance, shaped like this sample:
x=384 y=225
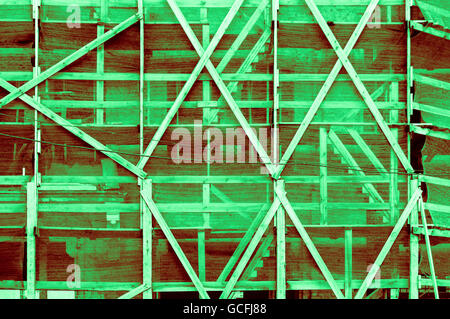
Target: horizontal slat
x=431 y=109
x=22 y=180
x=163 y=77
x=430 y=81
x=435 y=180
x=428 y=132
x=197 y=3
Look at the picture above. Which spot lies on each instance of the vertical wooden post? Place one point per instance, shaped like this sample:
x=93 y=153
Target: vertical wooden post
x=413 y=248
x=276 y=82
x=281 y=246
x=348 y=264
x=31 y=239
x=141 y=75
x=323 y=176
x=201 y=235
x=100 y=85
x=393 y=185
x=147 y=229
x=32 y=214
x=207 y=118
x=394 y=195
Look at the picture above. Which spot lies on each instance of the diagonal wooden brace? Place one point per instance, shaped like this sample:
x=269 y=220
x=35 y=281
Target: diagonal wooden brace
x=75 y=130
x=135 y=291
x=324 y=90
x=388 y=245
x=250 y=249
x=360 y=86
x=309 y=244
x=206 y=54
x=176 y=247
x=17 y=92
x=224 y=90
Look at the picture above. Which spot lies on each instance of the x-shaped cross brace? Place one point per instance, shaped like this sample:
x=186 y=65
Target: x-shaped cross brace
x=205 y=61
x=21 y=93
x=343 y=61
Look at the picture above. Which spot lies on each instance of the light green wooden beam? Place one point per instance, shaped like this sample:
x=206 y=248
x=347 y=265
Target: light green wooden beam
x=323 y=171
x=250 y=249
x=428 y=245
x=367 y=150
x=31 y=229
x=427 y=29
x=388 y=244
x=241 y=37
x=434 y=180
x=431 y=81
x=353 y=165
x=134 y=292
x=204 y=59
x=348 y=264
x=343 y=57
x=222 y=87
x=75 y=131
x=309 y=243
x=428 y=132
x=281 y=247
x=243 y=244
x=325 y=88
x=147 y=230
x=17 y=92
x=176 y=247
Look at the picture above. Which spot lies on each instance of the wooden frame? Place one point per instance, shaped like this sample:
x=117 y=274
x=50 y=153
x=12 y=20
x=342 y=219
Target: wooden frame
x=280 y=206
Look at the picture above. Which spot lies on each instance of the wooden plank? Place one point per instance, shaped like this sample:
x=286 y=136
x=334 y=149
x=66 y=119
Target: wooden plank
x=353 y=166
x=202 y=3
x=17 y=92
x=367 y=150
x=243 y=244
x=176 y=247
x=257 y=77
x=348 y=264
x=182 y=179
x=432 y=232
x=388 y=244
x=241 y=37
x=281 y=247
x=394 y=193
x=428 y=132
x=342 y=55
x=223 y=89
x=431 y=109
x=31 y=229
x=76 y=131
x=147 y=230
x=250 y=249
x=431 y=81
x=204 y=59
x=100 y=85
x=427 y=29
x=309 y=244
x=325 y=88
x=428 y=245
x=323 y=182
x=134 y=292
